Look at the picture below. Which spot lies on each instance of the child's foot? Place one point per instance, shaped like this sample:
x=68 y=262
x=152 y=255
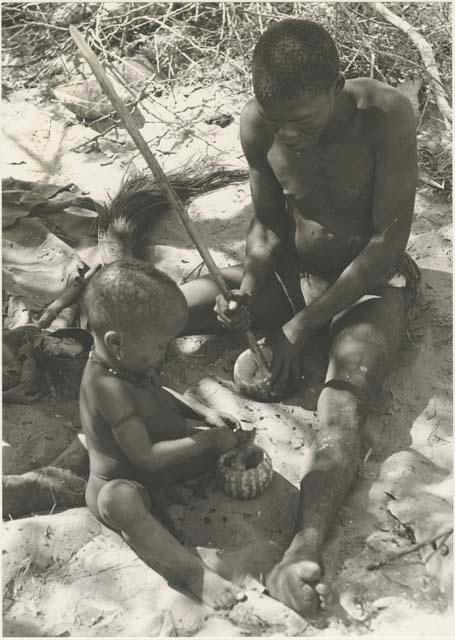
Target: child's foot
x=214 y=590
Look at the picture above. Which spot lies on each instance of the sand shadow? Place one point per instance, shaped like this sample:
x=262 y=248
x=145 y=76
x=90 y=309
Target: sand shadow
x=238 y=537
x=20 y=629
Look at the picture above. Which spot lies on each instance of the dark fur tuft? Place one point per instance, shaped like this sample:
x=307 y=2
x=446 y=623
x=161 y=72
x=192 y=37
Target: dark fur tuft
x=140 y=204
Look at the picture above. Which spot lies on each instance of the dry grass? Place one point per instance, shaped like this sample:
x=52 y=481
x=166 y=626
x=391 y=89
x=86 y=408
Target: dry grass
x=199 y=43
x=203 y=38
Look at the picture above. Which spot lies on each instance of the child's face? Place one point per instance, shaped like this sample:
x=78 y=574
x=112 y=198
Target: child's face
x=144 y=351
x=299 y=123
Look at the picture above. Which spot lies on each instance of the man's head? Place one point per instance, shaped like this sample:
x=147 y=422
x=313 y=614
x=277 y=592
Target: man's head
x=134 y=311
x=296 y=76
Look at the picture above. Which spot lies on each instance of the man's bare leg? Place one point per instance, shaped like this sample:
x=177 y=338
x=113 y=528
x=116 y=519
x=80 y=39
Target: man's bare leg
x=365 y=343
x=125 y=507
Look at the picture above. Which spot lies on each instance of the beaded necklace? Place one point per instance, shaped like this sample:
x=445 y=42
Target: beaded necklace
x=138 y=379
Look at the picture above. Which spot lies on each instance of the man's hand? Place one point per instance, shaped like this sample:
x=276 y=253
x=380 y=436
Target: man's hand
x=234 y=314
x=286 y=345
x=221 y=419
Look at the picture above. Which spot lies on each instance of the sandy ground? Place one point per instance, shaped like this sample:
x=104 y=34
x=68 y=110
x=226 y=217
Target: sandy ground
x=64 y=574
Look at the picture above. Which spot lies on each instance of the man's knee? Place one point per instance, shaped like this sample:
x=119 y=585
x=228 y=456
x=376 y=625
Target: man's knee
x=342 y=405
x=123 y=503
x=361 y=361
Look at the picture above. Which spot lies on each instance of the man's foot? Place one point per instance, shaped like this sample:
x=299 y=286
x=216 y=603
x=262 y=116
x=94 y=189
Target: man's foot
x=297 y=584
x=214 y=590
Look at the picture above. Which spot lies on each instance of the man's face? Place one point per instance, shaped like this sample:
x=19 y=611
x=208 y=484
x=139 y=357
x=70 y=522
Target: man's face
x=299 y=123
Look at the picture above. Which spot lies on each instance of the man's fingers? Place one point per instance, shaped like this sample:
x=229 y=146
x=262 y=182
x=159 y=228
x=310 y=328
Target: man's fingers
x=284 y=378
x=277 y=364
x=222 y=320
x=296 y=374
x=231 y=323
x=241 y=322
x=219 y=314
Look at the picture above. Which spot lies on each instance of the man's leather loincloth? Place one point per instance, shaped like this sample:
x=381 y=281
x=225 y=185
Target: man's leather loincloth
x=302 y=288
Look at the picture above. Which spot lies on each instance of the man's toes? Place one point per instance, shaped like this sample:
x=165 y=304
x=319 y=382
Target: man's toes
x=322 y=589
x=325 y=593
x=228 y=599
x=223 y=600
x=310 y=571
x=308 y=602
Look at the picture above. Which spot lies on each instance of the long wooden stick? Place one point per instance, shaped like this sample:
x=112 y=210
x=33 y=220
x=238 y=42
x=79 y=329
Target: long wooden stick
x=415 y=547
x=164 y=183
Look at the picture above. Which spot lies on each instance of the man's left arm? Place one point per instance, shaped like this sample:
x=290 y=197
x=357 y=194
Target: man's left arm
x=393 y=205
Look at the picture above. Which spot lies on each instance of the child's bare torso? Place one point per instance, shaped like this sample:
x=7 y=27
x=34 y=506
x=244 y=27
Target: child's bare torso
x=152 y=404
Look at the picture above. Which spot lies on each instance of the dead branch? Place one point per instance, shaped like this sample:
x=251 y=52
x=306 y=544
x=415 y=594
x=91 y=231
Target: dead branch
x=68 y=297
x=130 y=105
x=41 y=490
x=415 y=547
x=365 y=42
x=426 y=52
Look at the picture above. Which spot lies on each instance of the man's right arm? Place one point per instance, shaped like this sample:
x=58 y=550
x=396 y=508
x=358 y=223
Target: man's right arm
x=268 y=225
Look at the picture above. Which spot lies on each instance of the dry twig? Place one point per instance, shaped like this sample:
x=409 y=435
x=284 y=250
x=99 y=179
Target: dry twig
x=426 y=53
x=415 y=547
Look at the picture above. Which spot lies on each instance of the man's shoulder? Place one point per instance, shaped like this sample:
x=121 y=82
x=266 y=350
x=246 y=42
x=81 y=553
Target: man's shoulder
x=255 y=136
x=249 y=116
x=380 y=98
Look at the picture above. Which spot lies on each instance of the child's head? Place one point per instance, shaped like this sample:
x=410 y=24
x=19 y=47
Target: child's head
x=296 y=74
x=134 y=311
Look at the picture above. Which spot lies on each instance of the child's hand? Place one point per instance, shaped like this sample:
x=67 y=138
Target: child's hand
x=222 y=419
x=225 y=439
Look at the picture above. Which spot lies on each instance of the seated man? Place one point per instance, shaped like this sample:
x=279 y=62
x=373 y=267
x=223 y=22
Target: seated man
x=333 y=170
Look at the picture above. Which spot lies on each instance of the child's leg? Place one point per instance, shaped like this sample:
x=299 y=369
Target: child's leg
x=124 y=505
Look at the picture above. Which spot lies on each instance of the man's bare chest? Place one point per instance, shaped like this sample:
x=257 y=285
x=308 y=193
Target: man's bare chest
x=336 y=178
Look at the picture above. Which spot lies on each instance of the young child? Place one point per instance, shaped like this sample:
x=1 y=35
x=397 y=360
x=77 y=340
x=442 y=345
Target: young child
x=135 y=429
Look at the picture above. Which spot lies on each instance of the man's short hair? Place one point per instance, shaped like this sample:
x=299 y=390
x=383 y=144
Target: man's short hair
x=131 y=294
x=294 y=58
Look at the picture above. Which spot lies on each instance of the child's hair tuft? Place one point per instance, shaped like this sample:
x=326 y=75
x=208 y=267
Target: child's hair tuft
x=130 y=294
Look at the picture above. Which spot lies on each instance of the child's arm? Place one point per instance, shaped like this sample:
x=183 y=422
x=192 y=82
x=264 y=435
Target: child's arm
x=115 y=404
x=133 y=438
x=192 y=408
